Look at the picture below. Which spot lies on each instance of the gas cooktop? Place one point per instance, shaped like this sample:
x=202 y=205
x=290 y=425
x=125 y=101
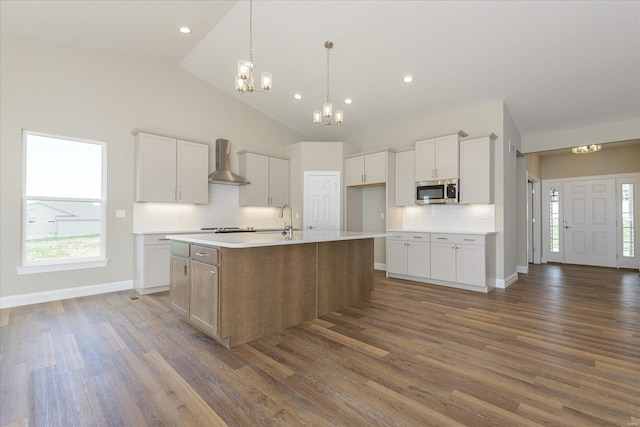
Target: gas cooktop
x=229 y=229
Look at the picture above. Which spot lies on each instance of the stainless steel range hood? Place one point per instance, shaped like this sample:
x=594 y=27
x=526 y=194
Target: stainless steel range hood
x=223 y=174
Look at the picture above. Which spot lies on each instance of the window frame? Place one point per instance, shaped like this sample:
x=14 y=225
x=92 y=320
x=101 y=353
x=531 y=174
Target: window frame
x=63 y=264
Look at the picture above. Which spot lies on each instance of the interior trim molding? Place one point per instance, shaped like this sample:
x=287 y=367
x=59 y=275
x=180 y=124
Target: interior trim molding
x=508 y=281
x=61 y=294
x=379 y=266
x=524 y=269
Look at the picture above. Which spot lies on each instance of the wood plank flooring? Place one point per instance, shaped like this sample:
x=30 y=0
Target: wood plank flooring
x=560 y=347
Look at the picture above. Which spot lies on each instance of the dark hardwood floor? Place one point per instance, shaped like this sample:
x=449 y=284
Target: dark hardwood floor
x=559 y=347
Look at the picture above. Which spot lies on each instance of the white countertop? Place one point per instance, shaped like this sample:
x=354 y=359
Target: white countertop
x=250 y=240
x=444 y=231
x=164 y=233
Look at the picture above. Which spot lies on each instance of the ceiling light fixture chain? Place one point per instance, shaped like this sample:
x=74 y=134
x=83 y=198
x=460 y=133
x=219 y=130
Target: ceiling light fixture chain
x=244 y=78
x=323 y=117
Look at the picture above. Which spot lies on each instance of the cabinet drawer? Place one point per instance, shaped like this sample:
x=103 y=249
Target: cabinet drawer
x=204 y=254
x=418 y=237
x=469 y=239
x=155 y=239
x=408 y=236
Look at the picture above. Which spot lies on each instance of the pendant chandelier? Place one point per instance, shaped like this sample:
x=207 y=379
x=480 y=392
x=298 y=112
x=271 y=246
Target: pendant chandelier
x=244 y=78
x=586 y=149
x=324 y=117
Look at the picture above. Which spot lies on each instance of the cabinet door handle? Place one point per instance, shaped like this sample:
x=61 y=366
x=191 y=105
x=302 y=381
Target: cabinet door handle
x=443 y=238
x=164 y=239
x=436 y=173
x=212 y=272
x=202 y=254
x=185 y=269
x=417 y=237
x=469 y=240
x=365 y=177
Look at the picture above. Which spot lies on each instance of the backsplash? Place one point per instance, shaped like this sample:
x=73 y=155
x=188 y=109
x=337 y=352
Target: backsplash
x=222 y=211
x=449 y=217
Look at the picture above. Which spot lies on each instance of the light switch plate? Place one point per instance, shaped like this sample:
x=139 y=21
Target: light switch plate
x=121 y=214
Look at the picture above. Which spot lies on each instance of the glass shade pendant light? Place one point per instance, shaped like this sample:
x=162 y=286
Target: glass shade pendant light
x=244 y=77
x=323 y=117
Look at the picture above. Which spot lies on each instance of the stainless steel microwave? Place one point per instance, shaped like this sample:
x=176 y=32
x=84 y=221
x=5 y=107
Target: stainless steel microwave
x=440 y=191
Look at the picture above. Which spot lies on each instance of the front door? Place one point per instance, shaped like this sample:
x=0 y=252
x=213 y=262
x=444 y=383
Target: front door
x=589 y=225
x=321 y=201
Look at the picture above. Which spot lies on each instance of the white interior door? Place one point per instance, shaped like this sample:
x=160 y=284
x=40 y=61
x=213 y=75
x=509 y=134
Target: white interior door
x=321 y=201
x=589 y=225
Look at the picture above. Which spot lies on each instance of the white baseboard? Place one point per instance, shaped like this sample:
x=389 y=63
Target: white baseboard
x=60 y=294
x=503 y=284
x=380 y=266
x=524 y=269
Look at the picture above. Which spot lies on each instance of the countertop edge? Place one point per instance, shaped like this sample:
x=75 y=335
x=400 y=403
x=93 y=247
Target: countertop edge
x=239 y=245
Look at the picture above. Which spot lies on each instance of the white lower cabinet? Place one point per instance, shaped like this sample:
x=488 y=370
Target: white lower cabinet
x=456 y=260
x=408 y=254
x=459 y=258
x=151 y=263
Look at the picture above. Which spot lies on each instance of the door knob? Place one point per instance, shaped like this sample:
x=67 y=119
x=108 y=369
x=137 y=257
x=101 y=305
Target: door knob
x=567 y=226
x=310 y=227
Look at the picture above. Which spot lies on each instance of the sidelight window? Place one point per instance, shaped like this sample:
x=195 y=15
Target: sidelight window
x=554 y=220
x=628 y=238
x=63 y=202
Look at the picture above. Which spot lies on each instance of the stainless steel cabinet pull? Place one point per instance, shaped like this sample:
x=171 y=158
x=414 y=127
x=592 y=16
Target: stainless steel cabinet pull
x=201 y=254
x=417 y=237
x=212 y=272
x=469 y=240
x=164 y=239
x=443 y=238
x=185 y=269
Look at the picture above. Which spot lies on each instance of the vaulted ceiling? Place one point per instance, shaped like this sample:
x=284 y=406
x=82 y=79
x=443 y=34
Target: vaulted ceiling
x=556 y=64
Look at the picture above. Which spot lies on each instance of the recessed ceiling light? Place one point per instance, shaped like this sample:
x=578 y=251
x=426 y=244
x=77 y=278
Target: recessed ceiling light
x=348 y=101
x=297 y=96
x=407 y=79
x=185 y=30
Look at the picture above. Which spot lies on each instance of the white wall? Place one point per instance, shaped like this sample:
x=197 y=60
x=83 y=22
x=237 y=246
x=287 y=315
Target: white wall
x=314 y=156
x=596 y=134
x=507 y=200
x=99 y=97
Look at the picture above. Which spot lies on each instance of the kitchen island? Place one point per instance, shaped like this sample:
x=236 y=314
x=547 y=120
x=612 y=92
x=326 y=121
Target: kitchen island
x=240 y=287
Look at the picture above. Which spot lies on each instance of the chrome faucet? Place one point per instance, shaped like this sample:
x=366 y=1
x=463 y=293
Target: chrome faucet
x=288 y=229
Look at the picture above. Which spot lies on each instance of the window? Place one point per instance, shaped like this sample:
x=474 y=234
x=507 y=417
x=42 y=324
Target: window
x=627 y=220
x=554 y=220
x=63 y=202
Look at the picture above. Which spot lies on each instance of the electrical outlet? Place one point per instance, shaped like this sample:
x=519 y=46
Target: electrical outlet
x=381 y=215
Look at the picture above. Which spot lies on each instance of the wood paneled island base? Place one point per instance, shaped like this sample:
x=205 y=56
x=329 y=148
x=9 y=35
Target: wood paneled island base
x=256 y=291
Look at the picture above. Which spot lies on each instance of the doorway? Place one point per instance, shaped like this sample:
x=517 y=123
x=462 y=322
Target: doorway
x=321 y=201
x=591 y=221
x=534 y=233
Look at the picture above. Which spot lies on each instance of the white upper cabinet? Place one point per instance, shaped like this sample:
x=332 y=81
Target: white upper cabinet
x=278 y=181
x=192 y=174
x=405 y=178
x=476 y=170
x=269 y=178
x=437 y=158
x=368 y=169
x=170 y=170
